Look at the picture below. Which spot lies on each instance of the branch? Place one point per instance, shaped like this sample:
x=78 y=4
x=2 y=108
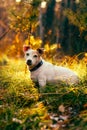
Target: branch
x=3 y=34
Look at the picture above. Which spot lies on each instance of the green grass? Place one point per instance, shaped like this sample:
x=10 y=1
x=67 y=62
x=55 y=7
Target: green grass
x=23 y=108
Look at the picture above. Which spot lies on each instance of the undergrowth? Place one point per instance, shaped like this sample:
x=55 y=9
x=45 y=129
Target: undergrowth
x=22 y=107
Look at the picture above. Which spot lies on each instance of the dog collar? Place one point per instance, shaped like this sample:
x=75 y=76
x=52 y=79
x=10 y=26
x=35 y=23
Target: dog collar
x=37 y=66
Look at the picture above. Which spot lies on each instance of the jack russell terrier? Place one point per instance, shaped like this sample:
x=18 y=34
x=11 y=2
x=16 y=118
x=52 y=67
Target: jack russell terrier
x=44 y=72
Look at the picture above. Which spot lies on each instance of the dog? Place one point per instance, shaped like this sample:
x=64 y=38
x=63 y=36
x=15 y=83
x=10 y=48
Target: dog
x=44 y=72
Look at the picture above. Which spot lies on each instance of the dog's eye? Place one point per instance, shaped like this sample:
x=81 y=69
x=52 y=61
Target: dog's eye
x=27 y=54
x=35 y=56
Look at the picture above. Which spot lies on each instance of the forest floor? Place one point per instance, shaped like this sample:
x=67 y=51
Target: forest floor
x=57 y=107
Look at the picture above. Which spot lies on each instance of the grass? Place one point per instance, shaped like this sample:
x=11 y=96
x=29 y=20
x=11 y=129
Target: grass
x=23 y=108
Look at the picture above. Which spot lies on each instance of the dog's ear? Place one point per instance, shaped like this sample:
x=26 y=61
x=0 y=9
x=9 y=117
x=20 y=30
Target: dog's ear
x=26 y=47
x=40 y=50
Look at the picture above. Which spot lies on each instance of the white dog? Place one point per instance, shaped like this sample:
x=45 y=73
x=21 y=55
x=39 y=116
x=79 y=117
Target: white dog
x=44 y=72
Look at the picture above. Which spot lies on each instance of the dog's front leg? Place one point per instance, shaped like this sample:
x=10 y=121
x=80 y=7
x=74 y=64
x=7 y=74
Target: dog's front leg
x=42 y=81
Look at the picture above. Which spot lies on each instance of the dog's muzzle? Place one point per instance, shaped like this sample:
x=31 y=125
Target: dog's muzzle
x=29 y=62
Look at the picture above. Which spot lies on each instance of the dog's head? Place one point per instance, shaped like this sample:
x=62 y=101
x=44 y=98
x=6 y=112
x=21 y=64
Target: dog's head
x=33 y=57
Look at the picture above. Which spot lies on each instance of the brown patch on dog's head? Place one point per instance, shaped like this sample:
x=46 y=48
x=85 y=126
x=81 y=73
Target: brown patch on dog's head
x=26 y=48
x=40 y=51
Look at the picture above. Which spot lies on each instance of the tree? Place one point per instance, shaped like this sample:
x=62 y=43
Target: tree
x=26 y=19
x=61 y=22
x=78 y=19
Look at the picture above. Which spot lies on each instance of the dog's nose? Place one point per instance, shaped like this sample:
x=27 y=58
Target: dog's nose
x=29 y=62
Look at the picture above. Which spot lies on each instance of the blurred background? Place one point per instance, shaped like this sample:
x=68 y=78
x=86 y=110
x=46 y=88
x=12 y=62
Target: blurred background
x=61 y=24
